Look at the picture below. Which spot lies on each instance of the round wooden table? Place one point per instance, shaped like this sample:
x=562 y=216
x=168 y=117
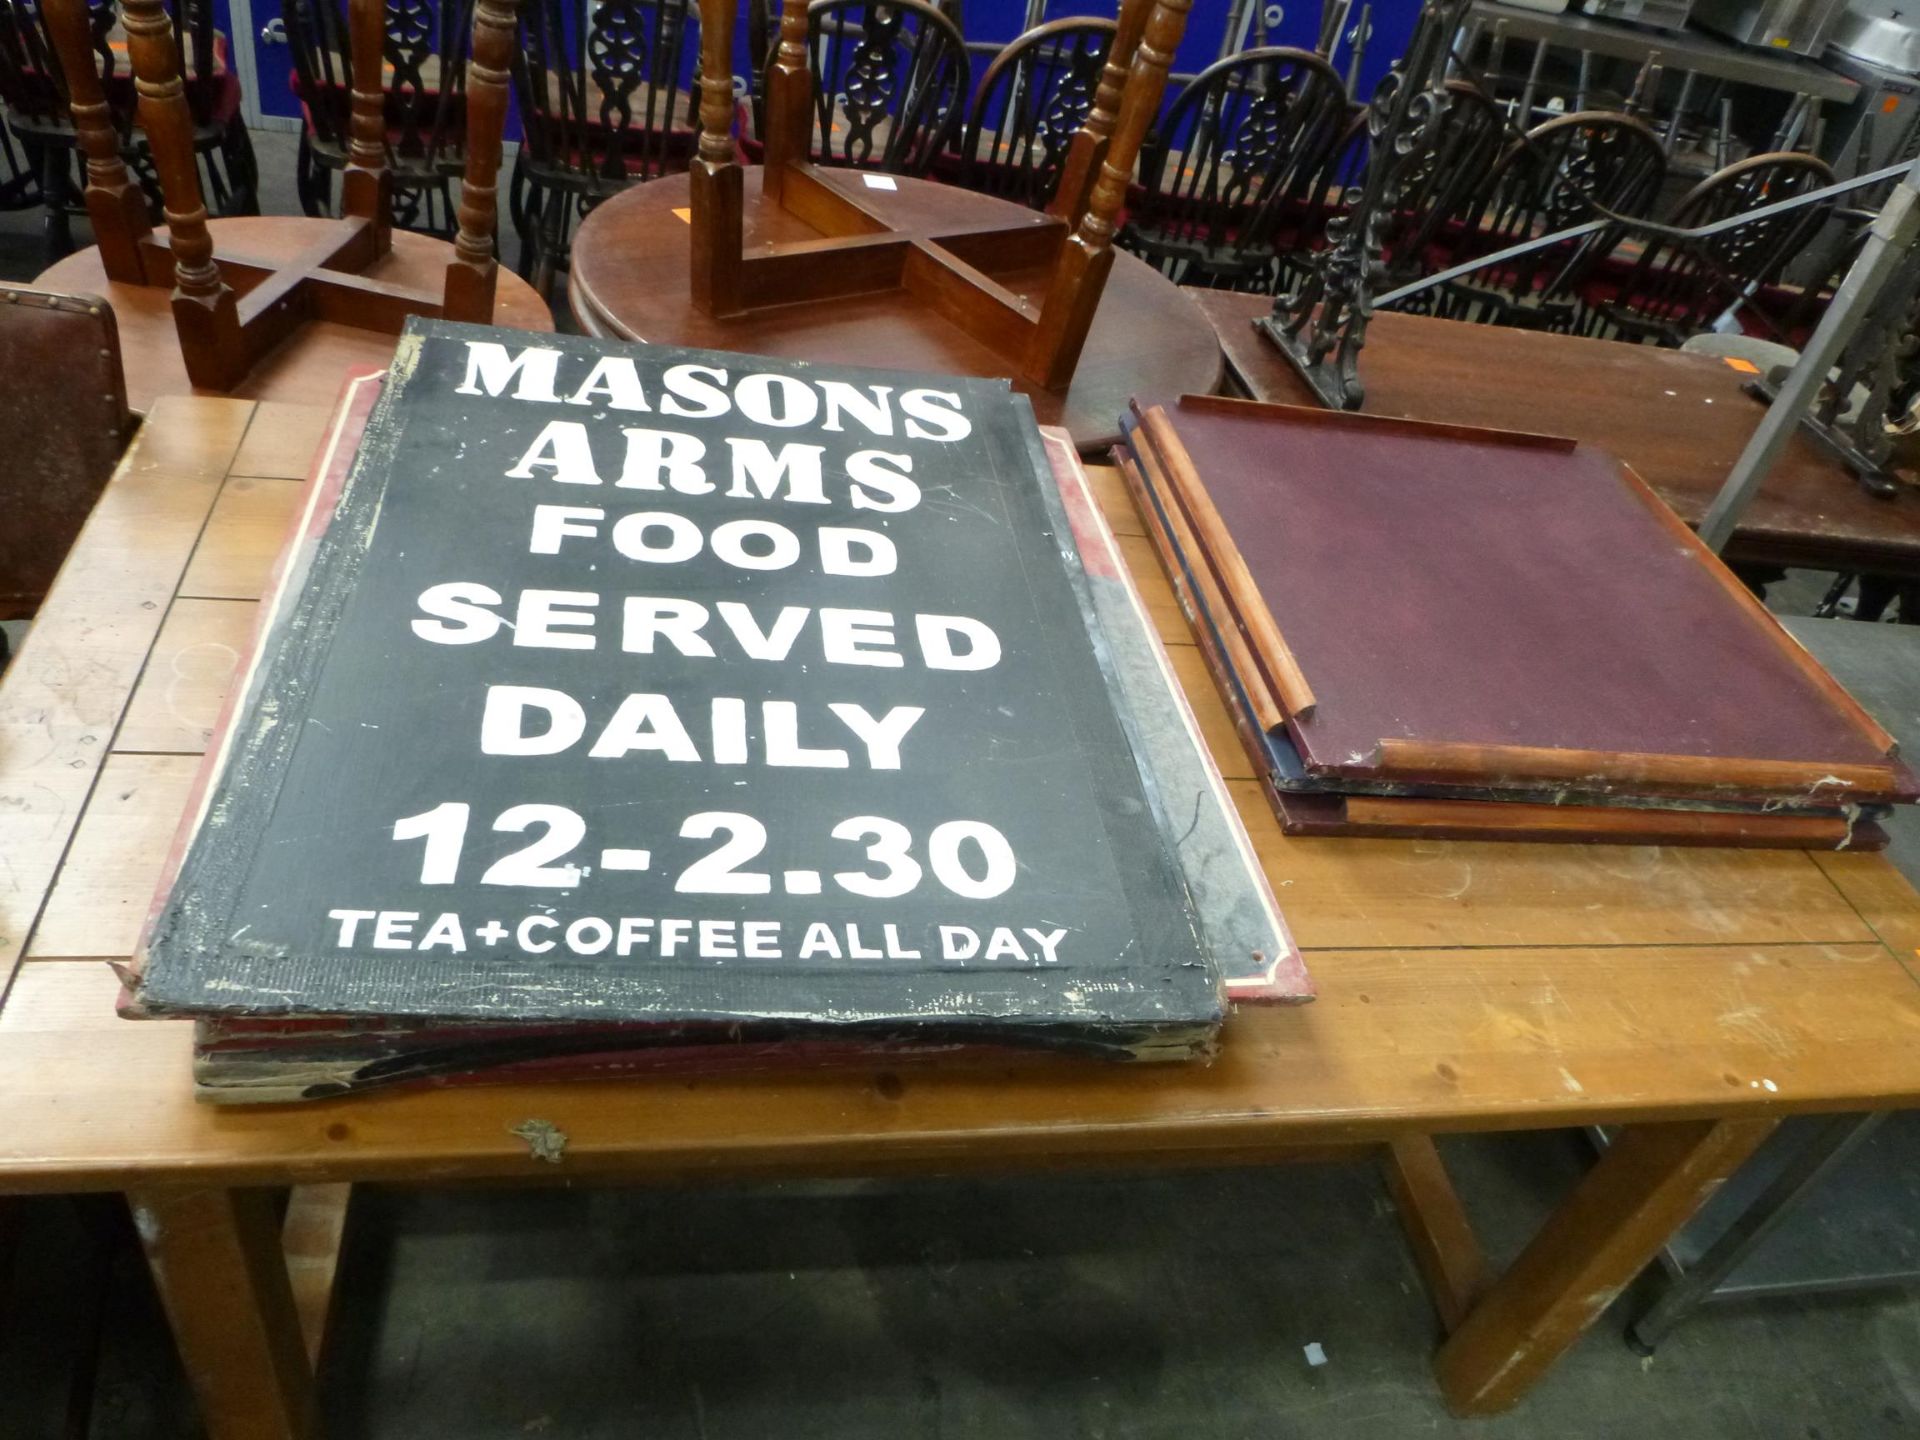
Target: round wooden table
x=630 y=273
x=307 y=367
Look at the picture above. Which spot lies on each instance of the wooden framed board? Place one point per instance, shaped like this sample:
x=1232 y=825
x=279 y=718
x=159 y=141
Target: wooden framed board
x=1479 y=608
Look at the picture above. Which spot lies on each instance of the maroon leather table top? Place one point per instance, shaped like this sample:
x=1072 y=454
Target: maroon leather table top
x=1482 y=591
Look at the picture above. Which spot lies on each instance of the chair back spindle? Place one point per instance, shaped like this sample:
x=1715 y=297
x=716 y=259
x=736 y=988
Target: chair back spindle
x=1543 y=184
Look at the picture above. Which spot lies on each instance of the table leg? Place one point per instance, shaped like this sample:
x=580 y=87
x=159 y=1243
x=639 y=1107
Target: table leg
x=217 y=1260
x=311 y=1237
x=1648 y=1184
x=1438 y=1232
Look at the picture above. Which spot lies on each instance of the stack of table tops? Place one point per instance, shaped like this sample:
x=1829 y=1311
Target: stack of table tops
x=1434 y=630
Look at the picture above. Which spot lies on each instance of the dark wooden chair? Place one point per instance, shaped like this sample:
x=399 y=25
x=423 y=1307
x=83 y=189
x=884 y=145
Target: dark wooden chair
x=1028 y=107
x=763 y=40
x=1677 y=288
x=37 y=94
x=1540 y=185
x=607 y=97
x=230 y=311
x=890 y=83
x=425 y=85
x=1449 y=180
x=64 y=413
x=1236 y=159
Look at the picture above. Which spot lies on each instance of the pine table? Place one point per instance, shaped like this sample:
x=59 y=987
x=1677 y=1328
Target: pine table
x=1688 y=997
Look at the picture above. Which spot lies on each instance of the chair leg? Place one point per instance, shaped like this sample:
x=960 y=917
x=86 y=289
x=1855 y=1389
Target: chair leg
x=524 y=200
x=312 y=181
x=243 y=167
x=221 y=197
x=551 y=229
x=56 y=188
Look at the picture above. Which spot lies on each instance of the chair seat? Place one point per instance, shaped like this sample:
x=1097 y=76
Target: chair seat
x=337 y=101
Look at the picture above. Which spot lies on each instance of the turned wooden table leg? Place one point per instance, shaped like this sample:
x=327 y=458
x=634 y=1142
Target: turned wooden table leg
x=216 y=1257
x=1649 y=1183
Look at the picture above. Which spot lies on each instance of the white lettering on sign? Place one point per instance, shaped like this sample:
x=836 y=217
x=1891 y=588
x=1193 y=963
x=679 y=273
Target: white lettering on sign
x=541 y=373
x=465 y=613
x=671 y=546
x=535 y=720
x=726 y=938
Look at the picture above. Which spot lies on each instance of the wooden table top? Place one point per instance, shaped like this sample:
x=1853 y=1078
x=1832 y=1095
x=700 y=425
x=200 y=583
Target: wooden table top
x=1464 y=986
x=306 y=368
x=1147 y=337
x=1681 y=420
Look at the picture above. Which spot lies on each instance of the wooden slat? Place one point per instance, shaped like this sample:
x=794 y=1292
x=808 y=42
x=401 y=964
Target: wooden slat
x=1198 y=593
x=1511 y=819
x=1399 y=1042
x=101 y=896
x=1460 y=763
x=65 y=691
x=281 y=441
x=1183 y=487
x=244 y=537
x=177 y=703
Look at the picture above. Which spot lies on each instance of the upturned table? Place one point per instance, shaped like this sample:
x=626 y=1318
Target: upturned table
x=628 y=282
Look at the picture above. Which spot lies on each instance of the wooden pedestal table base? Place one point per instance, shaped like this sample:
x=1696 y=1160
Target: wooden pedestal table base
x=307 y=368
x=1464 y=987
x=631 y=256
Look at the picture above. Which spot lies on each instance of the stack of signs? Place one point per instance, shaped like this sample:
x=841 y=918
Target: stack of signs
x=619 y=707
x=1427 y=630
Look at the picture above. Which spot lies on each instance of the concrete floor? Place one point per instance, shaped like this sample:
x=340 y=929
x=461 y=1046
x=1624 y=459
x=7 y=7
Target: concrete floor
x=1110 y=1306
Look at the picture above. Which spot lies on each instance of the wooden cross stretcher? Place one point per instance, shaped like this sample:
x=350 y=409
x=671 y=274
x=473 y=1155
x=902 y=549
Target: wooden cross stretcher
x=952 y=271
x=231 y=308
